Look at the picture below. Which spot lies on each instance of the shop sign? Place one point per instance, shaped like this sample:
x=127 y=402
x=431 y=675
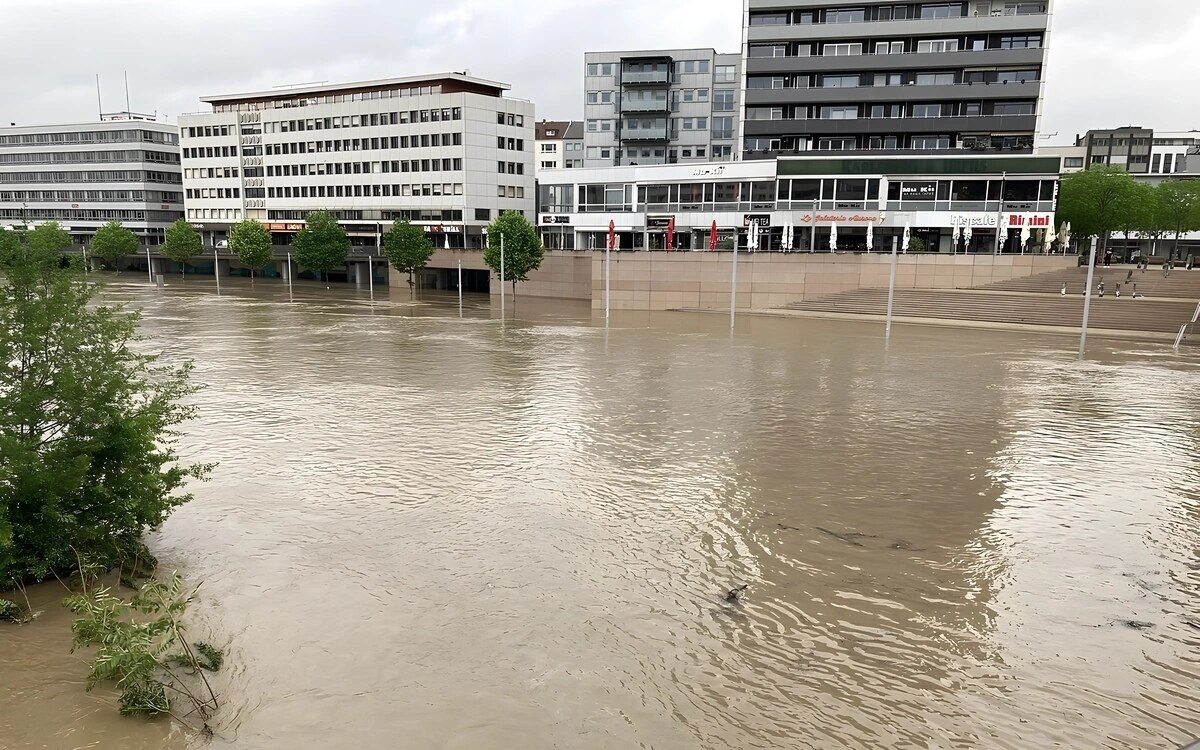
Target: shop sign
x=708 y=171
x=658 y=222
x=556 y=219
x=763 y=220
x=849 y=218
x=973 y=220
x=1033 y=221
x=284 y=227
x=918 y=191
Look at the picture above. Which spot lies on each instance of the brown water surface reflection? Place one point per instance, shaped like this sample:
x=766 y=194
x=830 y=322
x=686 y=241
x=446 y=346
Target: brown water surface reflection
x=434 y=531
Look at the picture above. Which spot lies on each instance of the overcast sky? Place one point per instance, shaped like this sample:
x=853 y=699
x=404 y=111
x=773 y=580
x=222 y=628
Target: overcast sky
x=1111 y=62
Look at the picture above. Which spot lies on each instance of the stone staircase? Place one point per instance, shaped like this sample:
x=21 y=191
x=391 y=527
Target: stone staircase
x=1181 y=284
x=1159 y=317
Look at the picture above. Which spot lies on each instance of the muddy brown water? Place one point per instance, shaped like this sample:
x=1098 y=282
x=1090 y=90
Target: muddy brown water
x=434 y=531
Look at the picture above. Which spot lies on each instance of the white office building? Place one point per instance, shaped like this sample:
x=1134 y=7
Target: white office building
x=448 y=152
x=124 y=168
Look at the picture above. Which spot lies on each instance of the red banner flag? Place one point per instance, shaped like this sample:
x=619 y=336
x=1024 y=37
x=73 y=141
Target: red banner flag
x=670 y=233
x=712 y=236
x=612 y=235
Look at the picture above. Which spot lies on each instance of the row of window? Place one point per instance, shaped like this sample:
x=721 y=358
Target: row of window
x=722 y=126
x=510 y=167
x=87 y=196
x=922 y=11
x=802 y=143
x=657 y=154
x=366 y=191
x=84 y=214
x=510 y=118
x=896 y=47
x=425 y=140
x=365 y=167
x=307 y=101
x=210 y=152
x=443 y=114
x=876 y=111
x=90 y=157
x=721 y=73
x=89 y=136
x=723 y=100
x=226 y=193
x=201 y=173
x=113 y=175
x=908 y=78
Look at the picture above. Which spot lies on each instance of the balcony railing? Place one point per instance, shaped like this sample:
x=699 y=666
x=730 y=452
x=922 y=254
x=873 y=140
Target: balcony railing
x=644 y=134
x=1037 y=10
x=644 y=106
x=645 y=76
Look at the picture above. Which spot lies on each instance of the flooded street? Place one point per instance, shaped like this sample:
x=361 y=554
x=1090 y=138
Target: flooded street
x=429 y=531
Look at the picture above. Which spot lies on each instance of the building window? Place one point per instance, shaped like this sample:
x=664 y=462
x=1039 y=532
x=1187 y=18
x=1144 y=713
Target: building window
x=840 y=81
x=1074 y=162
x=949 y=10
x=839 y=113
x=1013 y=108
x=549 y=148
x=930 y=142
x=725 y=74
x=1029 y=41
x=722 y=127
x=842 y=50
x=1167 y=159
x=937 y=45
x=724 y=100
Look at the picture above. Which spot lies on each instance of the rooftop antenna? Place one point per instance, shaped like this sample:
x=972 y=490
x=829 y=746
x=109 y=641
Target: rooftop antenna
x=127 y=109
x=99 y=106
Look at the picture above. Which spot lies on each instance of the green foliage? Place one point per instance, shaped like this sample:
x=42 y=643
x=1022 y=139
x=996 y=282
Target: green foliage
x=1093 y=200
x=113 y=242
x=87 y=426
x=407 y=248
x=523 y=251
x=1178 y=206
x=10 y=611
x=1135 y=210
x=182 y=242
x=251 y=243
x=322 y=244
x=48 y=238
x=10 y=246
x=916 y=244
x=141 y=649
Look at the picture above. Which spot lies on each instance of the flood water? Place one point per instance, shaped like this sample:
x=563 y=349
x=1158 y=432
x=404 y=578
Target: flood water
x=434 y=531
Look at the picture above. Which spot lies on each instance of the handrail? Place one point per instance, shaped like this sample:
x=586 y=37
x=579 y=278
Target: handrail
x=1179 y=339
x=1196 y=315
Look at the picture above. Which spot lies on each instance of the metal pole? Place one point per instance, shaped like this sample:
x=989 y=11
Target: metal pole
x=892 y=287
x=217 y=269
x=1000 y=210
x=733 y=283
x=502 y=276
x=149 y=265
x=460 y=287
x=1087 y=297
x=291 y=272
x=607 y=278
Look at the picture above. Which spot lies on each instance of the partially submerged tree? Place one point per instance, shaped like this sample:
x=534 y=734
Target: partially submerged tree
x=523 y=251
x=87 y=425
x=1091 y=200
x=1179 y=207
x=251 y=243
x=322 y=244
x=407 y=248
x=113 y=242
x=182 y=243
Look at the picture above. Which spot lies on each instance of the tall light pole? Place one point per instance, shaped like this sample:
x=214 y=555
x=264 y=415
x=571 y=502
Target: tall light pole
x=1087 y=297
x=502 y=275
x=1000 y=211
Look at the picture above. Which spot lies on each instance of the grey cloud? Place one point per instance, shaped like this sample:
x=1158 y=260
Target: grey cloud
x=1108 y=66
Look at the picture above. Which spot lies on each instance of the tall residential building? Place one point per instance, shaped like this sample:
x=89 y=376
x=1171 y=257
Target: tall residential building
x=124 y=168
x=660 y=106
x=559 y=144
x=893 y=77
x=1128 y=148
x=448 y=152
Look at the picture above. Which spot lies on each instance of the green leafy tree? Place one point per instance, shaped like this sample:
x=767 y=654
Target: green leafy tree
x=322 y=244
x=182 y=243
x=1179 y=209
x=87 y=425
x=1092 y=200
x=1135 y=210
x=48 y=238
x=10 y=246
x=251 y=243
x=113 y=242
x=523 y=250
x=407 y=248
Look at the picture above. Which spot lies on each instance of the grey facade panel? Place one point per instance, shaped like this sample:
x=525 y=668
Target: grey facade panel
x=896 y=94
x=894 y=29
x=891 y=126
x=907 y=61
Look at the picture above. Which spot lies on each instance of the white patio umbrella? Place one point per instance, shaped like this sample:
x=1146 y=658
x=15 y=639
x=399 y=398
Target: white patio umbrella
x=907 y=237
x=957 y=234
x=446 y=243
x=967 y=232
x=1024 y=237
x=833 y=238
x=870 y=237
x=1047 y=240
x=1067 y=238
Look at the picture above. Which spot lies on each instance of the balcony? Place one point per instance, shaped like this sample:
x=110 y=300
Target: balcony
x=894 y=125
x=911 y=92
x=642 y=135
x=893 y=62
x=943 y=27
x=636 y=105
x=645 y=77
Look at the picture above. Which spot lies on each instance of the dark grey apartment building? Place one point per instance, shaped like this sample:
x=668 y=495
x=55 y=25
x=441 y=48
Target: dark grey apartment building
x=892 y=77
x=1128 y=147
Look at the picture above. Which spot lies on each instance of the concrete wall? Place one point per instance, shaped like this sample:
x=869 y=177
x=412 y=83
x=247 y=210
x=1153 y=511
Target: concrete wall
x=663 y=281
x=660 y=281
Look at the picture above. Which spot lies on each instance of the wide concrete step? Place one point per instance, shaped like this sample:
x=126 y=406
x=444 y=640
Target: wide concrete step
x=1180 y=284
x=1125 y=314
